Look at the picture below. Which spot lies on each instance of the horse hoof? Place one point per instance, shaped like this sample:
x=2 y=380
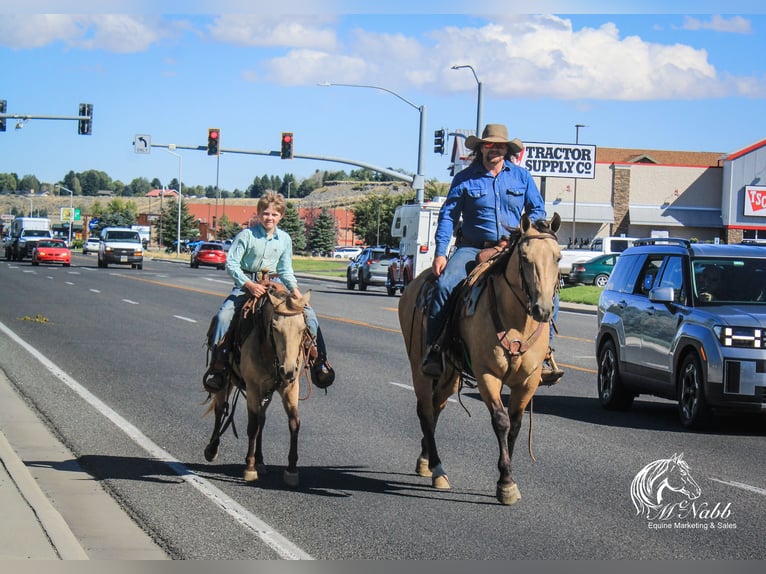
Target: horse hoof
x=251 y=475
x=211 y=453
x=291 y=478
x=508 y=494
x=421 y=468
x=441 y=482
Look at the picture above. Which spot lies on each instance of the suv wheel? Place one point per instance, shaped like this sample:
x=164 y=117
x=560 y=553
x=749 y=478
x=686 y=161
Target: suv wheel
x=611 y=392
x=349 y=282
x=692 y=407
x=362 y=282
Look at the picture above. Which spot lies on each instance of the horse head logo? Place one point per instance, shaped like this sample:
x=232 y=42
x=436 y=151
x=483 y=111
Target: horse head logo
x=651 y=484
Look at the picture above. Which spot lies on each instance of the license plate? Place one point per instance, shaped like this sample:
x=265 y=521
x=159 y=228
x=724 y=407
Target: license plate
x=123 y=258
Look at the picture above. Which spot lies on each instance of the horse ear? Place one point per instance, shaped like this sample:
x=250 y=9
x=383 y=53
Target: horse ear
x=525 y=223
x=306 y=297
x=555 y=222
x=273 y=298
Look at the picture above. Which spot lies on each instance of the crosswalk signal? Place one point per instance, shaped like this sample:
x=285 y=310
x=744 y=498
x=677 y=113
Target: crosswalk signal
x=439 y=142
x=213 y=141
x=85 y=123
x=287 y=146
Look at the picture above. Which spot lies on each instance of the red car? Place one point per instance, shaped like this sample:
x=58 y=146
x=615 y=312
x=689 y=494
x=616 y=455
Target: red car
x=210 y=254
x=52 y=251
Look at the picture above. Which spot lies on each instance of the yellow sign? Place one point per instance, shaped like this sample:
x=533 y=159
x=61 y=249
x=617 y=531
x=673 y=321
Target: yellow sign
x=70 y=214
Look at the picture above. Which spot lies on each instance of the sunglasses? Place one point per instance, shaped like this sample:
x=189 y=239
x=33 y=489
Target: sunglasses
x=493 y=145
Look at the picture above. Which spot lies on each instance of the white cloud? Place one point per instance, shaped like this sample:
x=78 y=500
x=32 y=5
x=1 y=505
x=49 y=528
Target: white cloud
x=270 y=30
x=735 y=24
x=114 y=33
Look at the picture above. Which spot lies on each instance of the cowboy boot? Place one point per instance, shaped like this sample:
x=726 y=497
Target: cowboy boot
x=216 y=376
x=432 y=364
x=551 y=373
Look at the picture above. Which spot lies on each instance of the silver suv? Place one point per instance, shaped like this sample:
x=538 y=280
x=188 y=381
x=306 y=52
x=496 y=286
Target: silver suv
x=685 y=322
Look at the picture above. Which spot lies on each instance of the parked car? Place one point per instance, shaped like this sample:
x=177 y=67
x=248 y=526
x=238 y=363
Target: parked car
x=685 y=322
x=370 y=267
x=345 y=252
x=51 y=251
x=90 y=245
x=210 y=254
x=399 y=274
x=595 y=271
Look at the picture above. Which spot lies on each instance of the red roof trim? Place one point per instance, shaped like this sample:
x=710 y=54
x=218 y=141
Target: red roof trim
x=746 y=150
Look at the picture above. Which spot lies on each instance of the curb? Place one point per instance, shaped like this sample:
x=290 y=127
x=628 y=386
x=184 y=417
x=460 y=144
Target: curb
x=56 y=529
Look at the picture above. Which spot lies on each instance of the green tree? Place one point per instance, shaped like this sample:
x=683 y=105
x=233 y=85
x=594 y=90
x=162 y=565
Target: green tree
x=140 y=186
x=167 y=225
x=227 y=228
x=293 y=224
x=8 y=182
x=73 y=182
x=117 y=213
x=323 y=232
x=373 y=216
x=29 y=183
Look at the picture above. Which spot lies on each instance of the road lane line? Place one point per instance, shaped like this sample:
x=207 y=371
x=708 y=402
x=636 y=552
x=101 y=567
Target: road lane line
x=286 y=549
x=129 y=301
x=741 y=485
x=187 y=319
x=410 y=388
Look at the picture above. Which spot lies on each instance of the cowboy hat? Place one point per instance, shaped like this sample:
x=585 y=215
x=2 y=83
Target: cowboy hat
x=494 y=133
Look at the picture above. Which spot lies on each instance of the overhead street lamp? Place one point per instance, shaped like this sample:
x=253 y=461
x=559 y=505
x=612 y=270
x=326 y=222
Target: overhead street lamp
x=71 y=212
x=574 y=202
x=419 y=181
x=170 y=149
x=479 y=103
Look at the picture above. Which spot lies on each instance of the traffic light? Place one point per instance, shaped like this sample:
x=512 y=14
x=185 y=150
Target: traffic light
x=287 y=145
x=3 y=104
x=85 y=126
x=439 y=142
x=213 y=141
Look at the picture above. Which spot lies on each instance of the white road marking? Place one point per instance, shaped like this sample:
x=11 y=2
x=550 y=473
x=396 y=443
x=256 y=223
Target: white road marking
x=741 y=485
x=94 y=290
x=286 y=549
x=131 y=302
x=185 y=319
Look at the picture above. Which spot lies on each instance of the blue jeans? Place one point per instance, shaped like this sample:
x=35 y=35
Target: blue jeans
x=458 y=267
x=234 y=302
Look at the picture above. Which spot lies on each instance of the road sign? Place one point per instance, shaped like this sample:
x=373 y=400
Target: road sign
x=143 y=143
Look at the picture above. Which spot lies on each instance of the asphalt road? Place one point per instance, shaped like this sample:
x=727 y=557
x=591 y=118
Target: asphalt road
x=113 y=359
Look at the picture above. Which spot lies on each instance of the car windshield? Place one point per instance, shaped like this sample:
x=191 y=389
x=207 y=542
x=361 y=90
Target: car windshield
x=719 y=280
x=36 y=233
x=51 y=243
x=129 y=236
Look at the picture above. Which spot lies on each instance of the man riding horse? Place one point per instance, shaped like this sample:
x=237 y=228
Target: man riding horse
x=262 y=247
x=490 y=195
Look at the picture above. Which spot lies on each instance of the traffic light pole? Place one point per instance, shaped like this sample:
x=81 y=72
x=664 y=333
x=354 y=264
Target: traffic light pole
x=277 y=153
x=21 y=118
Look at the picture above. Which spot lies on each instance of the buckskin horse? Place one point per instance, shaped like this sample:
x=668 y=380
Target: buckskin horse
x=498 y=331
x=271 y=358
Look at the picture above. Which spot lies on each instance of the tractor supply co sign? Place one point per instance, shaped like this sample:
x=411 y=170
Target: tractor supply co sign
x=560 y=160
x=755 y=200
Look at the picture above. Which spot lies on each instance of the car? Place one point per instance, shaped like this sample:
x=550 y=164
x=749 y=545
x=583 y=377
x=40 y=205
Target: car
x=90 y=245
x=208 y=253
x=345 y=252
x=122 y=246
x=399 y=274
x=665 y=328
x=595 y=271
x=370 y=267
x=51 y=251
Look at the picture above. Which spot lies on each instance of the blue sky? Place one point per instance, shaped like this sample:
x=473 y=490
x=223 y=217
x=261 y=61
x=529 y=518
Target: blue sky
x=650 y=75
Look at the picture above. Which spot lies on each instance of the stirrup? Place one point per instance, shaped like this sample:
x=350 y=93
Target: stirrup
x=215 y=379
x=551 y=373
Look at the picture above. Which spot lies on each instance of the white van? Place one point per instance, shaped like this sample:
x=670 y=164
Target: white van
x=121 y=246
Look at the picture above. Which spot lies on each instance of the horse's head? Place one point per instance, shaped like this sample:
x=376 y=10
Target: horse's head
x=678 y=479
x=286 y=327
x=539 y=255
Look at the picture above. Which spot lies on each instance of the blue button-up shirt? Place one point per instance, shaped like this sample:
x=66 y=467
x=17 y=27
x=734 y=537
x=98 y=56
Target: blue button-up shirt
x=253 y=250
x=489 y=205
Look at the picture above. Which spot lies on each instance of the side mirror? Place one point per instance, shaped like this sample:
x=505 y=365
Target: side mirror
x=662 y=295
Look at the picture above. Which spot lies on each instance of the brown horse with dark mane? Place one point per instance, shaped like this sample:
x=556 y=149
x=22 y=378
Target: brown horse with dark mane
x=499 y=332
x=271 y=356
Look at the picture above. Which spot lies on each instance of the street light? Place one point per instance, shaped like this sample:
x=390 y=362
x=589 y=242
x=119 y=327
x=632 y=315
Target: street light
x=71 y=212
x=479 y=103
x=419 y=181
x=170 y=149
x=574 y=203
